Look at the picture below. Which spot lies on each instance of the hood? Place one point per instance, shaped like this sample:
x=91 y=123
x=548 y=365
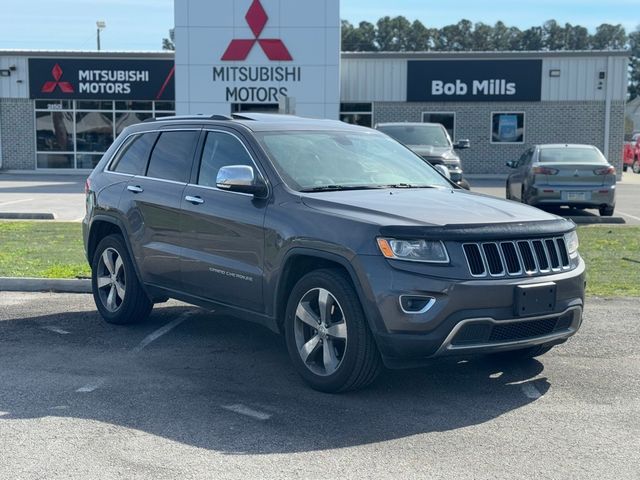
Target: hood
x=424 y=207
x=429 y=150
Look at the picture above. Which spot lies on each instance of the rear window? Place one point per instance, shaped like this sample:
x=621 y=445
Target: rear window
x=172 y=156
x=571 y=155
x=134 y=156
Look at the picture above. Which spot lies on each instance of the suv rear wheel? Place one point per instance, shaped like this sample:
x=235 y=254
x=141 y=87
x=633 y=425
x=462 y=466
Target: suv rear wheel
x=636 y=166
x=327 y=334
x=117 y=292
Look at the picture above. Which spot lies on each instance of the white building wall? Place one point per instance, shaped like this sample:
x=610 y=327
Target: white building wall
x=17 y=84
x=372 y=78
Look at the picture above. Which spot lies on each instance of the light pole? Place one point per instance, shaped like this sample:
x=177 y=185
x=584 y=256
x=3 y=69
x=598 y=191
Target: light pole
x=101 y=25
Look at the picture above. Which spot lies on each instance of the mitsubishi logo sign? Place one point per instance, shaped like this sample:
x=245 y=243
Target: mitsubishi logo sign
x=243 y=55
x=50 y=86
x=273 y=48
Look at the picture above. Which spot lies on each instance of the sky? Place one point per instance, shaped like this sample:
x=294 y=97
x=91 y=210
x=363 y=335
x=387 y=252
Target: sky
x=141 y=24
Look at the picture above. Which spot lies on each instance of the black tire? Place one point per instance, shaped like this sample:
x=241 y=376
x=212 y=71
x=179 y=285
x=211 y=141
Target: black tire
x=360 y=361
x=606 y=211
x=136 y=305
x=523 y=353
x=636 y=166
x=464 y=184
x=625 y=167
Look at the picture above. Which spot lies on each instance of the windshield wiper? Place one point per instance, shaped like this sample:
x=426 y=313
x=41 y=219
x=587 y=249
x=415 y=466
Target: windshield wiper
x=329 y=188
x=407 y=185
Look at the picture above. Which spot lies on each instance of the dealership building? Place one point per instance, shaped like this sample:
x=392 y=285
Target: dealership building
x=60 y=110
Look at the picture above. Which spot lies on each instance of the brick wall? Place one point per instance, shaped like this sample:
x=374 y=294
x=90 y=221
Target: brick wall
x=545 y=122
x=18 y=134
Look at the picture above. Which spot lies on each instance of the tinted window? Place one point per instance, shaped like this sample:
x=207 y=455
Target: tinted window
x=134 y=156
x=571 y=155
x=220 y=149
x=171 y=157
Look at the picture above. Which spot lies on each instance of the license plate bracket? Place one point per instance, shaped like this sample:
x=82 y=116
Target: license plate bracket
x=535 y=299
x=577 y=196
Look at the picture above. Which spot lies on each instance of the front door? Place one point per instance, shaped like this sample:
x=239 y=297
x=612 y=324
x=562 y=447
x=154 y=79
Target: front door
x=222 y=232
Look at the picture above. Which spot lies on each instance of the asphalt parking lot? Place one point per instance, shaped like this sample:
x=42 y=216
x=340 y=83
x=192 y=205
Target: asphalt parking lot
x=191 y=394
x=62 y=195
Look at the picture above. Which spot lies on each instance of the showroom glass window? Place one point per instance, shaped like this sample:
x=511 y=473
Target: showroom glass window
x=357 y=114
x=507 y=127
x=76 y=133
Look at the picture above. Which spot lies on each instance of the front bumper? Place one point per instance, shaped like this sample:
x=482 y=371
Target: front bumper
x=469 y=316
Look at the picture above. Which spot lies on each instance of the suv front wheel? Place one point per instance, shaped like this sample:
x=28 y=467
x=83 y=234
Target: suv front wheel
x=116 y=290
x=327 y=334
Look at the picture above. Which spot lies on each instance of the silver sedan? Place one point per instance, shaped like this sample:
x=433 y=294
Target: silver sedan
x=577 y=176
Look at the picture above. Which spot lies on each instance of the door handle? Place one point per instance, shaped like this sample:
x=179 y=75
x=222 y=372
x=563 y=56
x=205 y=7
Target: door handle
x=135 y=188
x=194 y=200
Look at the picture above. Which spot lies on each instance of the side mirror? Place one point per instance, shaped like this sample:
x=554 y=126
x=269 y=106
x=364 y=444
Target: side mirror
x=242 y=179
x=462 y=144
x=512 y=164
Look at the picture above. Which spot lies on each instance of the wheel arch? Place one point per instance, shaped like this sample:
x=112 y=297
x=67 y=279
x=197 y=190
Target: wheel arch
x=104 y=225
x=300 y=261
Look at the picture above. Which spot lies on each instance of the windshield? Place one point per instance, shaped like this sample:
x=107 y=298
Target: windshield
x=571 y=155
x=315 y=160
x=432 y=135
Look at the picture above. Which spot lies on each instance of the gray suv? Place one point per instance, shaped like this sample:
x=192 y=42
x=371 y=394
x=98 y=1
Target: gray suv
x=337 y=236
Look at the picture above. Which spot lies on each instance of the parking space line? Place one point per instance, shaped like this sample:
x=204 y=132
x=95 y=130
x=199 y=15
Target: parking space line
x=55 y=329
x=249 y=412
x=161 y=331
x=91 y=386
x=627 y=215
x=2 y=204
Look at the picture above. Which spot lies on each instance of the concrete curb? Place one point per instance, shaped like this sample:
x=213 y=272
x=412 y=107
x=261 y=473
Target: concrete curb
x=57 y=285
x=26 y=216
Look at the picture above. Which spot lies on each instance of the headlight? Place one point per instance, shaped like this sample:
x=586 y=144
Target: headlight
x=432 y=251
x=571 y=240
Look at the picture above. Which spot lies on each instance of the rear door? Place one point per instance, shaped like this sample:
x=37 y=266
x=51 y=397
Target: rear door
x=152 y=207
x=222 y=232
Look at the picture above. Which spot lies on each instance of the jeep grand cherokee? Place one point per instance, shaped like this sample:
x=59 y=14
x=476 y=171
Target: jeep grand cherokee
x=337 y=236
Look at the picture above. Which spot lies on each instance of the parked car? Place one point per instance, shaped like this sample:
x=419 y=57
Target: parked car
x=430 y=141
x=334 y=235
x=628 y=155
x=577 y=176
x=635 y=147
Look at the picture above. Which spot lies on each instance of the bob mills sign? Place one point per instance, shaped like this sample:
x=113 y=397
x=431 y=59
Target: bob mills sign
x=474 y=80
x=255 y=52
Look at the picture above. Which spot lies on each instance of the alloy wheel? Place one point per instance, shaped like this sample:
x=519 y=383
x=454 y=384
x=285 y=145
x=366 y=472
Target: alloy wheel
x=111 y=280
x=320 y=331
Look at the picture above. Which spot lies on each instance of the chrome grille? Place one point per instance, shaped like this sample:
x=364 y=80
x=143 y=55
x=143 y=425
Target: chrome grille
x=518 y=257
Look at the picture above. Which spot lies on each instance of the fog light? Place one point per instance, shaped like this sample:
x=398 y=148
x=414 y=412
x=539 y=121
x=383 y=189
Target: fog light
x=416 y=304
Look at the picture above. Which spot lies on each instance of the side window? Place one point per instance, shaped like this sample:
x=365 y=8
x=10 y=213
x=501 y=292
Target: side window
x=220 y=150
x=134 y=155
x=172 y=156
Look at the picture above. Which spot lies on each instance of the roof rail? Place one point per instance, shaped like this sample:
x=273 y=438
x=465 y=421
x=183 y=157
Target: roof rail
x=188 y=117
